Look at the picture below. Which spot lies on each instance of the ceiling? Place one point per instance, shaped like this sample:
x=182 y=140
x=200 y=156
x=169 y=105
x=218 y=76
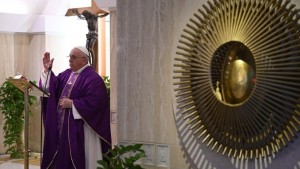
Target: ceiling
x=54 y=7
x=93 y=9
x=40 y=16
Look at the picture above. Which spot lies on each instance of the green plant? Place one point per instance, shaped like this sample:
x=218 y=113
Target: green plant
x=107 y=84
x=12 y=107
x=122 y=157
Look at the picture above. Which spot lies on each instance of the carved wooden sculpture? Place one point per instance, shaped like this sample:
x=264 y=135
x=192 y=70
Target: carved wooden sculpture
x=92 y=36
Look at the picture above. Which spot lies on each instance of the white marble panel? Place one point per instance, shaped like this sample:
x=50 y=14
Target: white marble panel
x=144 y=51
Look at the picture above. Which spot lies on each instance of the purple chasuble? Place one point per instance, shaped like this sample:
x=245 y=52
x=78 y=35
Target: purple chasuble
x=65 y=94
x=90 y=98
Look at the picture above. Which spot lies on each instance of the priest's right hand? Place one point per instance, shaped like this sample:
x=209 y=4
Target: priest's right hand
x=47 y=62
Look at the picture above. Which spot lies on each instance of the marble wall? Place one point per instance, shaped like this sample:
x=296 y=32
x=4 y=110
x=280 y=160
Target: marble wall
x=147 y=36
x=146 y=32
x=113 y=76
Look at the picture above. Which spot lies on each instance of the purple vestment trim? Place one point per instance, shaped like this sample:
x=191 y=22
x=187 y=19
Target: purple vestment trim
x=65 y=94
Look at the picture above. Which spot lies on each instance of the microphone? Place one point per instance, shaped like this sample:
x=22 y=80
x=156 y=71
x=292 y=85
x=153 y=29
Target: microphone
x=49 y=69
x=49 y=72
x=42 y=105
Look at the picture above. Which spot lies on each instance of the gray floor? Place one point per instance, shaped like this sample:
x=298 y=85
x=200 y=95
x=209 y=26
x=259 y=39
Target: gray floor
x=6 y=163
x=11 y=164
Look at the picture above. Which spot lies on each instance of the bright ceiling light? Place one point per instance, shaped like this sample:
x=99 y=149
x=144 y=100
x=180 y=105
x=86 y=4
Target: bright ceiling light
x=80 y=3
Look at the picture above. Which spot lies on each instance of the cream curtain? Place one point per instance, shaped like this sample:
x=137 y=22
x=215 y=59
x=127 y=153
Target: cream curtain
x=14 y=58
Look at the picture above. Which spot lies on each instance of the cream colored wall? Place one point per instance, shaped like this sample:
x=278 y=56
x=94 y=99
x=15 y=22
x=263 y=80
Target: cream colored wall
x=113 y=75
x=146 y=32
x=6 y=69
x=17 y=57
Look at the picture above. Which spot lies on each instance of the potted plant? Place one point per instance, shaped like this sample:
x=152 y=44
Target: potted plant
x=122 y=157
x=107 y=83
x=12 y=107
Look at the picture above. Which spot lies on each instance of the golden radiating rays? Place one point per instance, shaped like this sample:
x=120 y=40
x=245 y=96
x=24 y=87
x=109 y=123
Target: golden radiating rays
x=268 y=120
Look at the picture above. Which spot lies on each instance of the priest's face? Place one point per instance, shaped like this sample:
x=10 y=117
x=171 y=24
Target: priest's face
x=77 y=59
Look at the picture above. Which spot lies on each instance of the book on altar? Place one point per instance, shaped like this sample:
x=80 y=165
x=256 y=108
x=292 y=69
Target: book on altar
x=21 y=82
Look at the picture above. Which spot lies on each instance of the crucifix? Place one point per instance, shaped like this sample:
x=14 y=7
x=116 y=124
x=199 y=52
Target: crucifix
x=92 y=35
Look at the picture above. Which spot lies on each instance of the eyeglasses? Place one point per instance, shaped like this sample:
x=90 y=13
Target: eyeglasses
x=73 y=57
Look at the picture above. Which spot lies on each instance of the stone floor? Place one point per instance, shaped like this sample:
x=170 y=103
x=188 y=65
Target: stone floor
x=6 y=163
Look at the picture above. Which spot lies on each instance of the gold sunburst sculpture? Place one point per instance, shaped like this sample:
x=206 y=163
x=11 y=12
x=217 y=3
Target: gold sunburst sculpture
x=237 y=76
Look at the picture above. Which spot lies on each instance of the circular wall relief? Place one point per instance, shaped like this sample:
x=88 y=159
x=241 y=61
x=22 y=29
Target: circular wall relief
x=237 y=77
